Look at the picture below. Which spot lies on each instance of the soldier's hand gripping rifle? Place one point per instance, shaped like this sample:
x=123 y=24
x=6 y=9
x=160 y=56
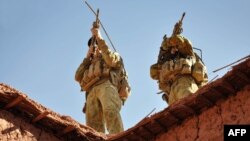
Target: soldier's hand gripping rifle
x=178 y=26
x=101 y=25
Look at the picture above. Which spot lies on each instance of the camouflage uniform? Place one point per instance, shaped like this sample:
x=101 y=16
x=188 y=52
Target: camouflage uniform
x=179 y=71
x=99 y=77
x=103 y=106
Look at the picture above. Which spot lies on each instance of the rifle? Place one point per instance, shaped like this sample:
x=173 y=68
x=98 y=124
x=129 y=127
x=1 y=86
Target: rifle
x=93 y=39
x=178 y=26
x=101 y=25
x=165 y=55
x=99 y=21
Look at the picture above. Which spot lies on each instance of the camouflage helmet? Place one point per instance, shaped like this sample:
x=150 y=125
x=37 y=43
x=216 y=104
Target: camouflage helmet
x=184 y=45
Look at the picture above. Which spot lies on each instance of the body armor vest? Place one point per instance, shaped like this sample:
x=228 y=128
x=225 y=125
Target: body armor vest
x=170 y=69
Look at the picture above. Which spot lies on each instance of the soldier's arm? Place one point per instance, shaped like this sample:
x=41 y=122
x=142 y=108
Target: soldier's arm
x=112 y=59
x=81 y=69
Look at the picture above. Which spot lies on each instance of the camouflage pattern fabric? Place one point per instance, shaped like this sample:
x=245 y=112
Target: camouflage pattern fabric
x=180 y=76
x=179 y=70
x=103 y=107
x=99 y=75
x=181 y=88
x=103 y=102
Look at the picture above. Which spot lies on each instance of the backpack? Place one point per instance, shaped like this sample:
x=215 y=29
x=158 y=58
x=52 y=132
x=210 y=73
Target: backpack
x=199 y=71
x=123 y=84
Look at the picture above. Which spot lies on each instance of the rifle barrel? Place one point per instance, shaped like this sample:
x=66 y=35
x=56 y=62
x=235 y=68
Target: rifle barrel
x=183 y=15
x=101 y=26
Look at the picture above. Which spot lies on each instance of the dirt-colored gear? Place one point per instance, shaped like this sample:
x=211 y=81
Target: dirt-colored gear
x=183 y=44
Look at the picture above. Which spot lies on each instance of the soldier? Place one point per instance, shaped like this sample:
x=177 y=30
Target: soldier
x=179 y=71
x=102 y=76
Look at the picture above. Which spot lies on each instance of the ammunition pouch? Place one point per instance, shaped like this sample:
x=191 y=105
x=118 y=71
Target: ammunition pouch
x=154 y=71
x=120 y=81
x=172 y=70
x=96 y=72
x=98 y=69
x=90 y=73
x=99 y=72
x=124 y=90
x=85 y=79
x=114 y=78
x=80 y=70
x=186 y=67
x=199 y=72
x=173 y=67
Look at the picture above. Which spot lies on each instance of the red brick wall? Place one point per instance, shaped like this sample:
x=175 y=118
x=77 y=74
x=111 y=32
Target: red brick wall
x=208 y=126
x=16 y=129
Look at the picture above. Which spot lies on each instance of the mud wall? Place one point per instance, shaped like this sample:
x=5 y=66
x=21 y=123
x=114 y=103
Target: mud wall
x=208 y=126
x=16 y=129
